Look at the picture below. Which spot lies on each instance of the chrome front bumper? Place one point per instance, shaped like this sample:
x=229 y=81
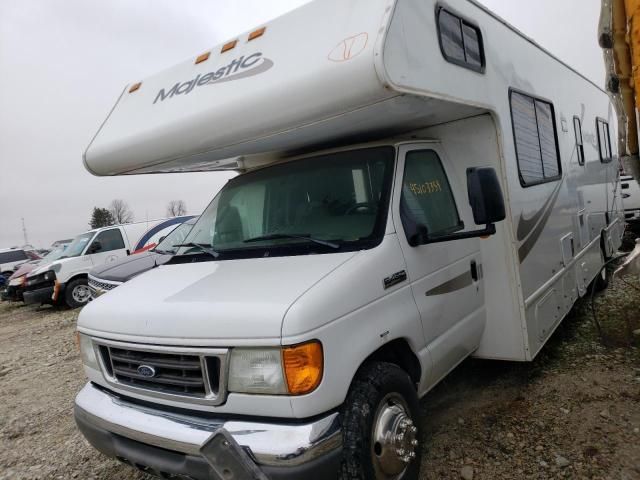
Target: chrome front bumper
x=268 y=444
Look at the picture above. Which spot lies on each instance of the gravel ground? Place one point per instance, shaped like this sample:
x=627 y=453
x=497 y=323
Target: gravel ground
x=572 y=413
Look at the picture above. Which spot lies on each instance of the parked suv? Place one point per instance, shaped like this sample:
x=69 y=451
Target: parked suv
x=10 y=258
x=630 y=198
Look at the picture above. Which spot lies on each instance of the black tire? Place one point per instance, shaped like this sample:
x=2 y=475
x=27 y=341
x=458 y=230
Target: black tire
x=601 y=282
x=378 y=389
x=71 y=293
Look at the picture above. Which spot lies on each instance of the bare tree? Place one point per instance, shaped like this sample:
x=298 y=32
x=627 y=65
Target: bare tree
x=120 y=211
x=176 y=208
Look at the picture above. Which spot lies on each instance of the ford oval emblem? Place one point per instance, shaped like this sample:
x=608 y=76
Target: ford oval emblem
x=147 y=371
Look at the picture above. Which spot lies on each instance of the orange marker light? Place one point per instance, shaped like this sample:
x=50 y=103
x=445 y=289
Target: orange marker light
x=303 y=365
x=257 y=33
x=135 y=86
x=203 y=58
x=229 y=46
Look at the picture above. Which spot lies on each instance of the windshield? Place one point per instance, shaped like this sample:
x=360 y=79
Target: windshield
x=76 y=247
x=323 y=204
x=176 y=237
x=54 y=254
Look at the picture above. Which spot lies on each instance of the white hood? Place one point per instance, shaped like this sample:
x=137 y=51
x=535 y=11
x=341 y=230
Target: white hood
x=214 y=303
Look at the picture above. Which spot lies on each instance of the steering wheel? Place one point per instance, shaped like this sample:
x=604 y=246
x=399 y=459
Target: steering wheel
x=362 y=207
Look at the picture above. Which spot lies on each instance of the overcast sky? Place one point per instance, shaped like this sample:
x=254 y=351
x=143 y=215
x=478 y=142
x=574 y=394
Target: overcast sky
x=63 y=64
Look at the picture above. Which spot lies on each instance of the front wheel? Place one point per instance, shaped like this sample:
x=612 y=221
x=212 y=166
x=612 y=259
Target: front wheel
x=77 y=293
x=380 y=426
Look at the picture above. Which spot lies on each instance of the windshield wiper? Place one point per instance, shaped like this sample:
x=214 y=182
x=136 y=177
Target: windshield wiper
x=164 y=252
x=303 y=236
x=201 y=246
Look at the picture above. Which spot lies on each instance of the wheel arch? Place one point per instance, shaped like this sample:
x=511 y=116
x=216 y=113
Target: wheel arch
x=397 y=352
x=76 y=277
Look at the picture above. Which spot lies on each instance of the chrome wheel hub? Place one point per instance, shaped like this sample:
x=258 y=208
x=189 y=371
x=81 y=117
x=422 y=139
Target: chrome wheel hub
x=394 y=439
x=81 y=293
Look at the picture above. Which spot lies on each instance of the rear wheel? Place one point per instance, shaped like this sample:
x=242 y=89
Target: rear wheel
x=601 y=282
x=77 y=293
x=380 y=426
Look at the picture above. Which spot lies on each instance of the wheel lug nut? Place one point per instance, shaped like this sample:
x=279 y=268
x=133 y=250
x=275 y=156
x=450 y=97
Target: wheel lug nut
x=400 y=451
x=400 y=437
x=414 y=442
x=413 y=429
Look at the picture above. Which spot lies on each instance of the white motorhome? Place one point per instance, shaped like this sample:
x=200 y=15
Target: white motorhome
x=65 y=280
x=361 y=254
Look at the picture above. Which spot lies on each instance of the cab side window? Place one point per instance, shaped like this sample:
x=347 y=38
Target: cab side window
x=427 y=199
x=110 y=240
x=604 y=141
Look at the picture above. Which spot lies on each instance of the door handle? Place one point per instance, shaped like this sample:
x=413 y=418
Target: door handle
x=474 y=270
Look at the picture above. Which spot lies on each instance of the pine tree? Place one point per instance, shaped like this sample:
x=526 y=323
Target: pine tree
x=101 y=217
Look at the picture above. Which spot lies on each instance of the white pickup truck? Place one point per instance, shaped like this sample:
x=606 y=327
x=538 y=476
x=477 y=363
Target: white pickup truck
x=363 y=252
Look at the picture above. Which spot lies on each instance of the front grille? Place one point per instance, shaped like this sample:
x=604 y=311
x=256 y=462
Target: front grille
x=188 y=373
x=97 y=288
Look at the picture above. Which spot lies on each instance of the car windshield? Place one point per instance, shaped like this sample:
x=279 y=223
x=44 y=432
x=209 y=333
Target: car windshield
x=54 y=254
x=76 y=247
x=321 y=204
x=176 y=237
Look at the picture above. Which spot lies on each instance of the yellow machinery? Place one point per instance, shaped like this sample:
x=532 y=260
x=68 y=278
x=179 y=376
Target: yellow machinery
x=619 y=36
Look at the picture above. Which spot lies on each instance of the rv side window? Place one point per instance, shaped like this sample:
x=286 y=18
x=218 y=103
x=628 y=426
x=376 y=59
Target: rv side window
x=110 y=240
x=604 y=140
x=460 y=41
x=427 y=198
x=534 y=130
x=577 y=126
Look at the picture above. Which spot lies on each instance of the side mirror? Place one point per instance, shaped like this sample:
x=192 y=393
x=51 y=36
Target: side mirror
x=95 y=247
x=419 y=236
x=485 y=196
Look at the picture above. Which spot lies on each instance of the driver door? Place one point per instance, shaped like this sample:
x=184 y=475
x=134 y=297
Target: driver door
x=446 y=278
x=107 y=247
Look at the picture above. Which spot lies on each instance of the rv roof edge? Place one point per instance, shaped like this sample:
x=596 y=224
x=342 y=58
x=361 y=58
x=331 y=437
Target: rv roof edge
x=348 y=81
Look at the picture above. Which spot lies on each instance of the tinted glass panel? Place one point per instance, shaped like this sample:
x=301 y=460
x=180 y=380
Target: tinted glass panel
x=535 y=137
x=340 y=198
x=577 y=126
x=526 y=136
x=110 y=240
x=546 y=132
x=13 y=256
x=604 y=141
x=451 y=36
x=472 y=45
x=426 y=194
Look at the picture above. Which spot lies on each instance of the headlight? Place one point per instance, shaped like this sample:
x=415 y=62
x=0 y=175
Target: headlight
x=256 y=371
x=87 y=352
x=49 y=275
x=293 y=370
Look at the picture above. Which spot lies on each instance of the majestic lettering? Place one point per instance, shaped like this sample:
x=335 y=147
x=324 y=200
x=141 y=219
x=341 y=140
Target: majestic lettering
x=243 y=67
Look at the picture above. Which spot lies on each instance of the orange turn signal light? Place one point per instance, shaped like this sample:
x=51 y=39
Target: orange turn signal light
x=303 y=366
x=228 y=46
x=135 y=86
x=203 y=58
x=257 y=33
